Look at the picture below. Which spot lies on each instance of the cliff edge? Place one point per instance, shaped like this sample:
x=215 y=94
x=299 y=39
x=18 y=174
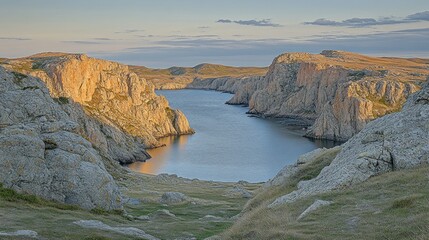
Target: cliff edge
x=338 y=92
x=122 y=114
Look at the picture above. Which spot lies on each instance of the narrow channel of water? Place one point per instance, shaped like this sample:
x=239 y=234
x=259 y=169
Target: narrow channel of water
x=228 y=144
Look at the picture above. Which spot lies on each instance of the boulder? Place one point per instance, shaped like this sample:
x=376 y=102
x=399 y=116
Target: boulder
x=173 y=197
x=129 y=231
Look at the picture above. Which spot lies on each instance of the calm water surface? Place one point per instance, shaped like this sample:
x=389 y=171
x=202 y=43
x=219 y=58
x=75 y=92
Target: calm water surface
x=228 y=144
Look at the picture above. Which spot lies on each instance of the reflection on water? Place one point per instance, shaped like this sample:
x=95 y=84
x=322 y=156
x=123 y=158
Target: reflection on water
x=173 y=144
x=228 y=144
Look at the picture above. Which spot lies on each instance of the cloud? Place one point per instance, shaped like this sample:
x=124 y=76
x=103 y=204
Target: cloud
x=421 y=16
x=103 y=39
x=15 y=38
x=127 y=31
x=179 y=36
x=367 y=22
x=260 y=52
x=83 y=42
x=257 y=23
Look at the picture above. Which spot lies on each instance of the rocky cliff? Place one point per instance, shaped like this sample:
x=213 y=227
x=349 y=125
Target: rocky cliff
x=42 y=151
x=338 y=92
x=393 y=142
x=125 y=114
x=226 y=84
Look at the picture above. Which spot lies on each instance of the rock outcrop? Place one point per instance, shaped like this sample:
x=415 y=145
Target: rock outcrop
x=393 y=142
x=339 y=91
x=129 y=231
x=288 y=172
x=125 y=114
x=223 y=84
x=173 y=197
x=42 y=152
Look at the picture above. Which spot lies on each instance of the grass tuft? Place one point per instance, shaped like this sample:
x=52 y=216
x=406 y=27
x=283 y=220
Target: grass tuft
x=12 y=196
x=406 y=202
x=62 y=100
x=100 y=211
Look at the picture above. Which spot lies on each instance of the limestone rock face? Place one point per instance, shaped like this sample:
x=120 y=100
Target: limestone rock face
x=109 y=93
x=224 y=84
x=111 y=142
x=339 y=91
x=393 y=142
x=41 y=151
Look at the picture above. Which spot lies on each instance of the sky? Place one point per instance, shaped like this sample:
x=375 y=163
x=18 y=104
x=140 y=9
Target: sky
x=165 y=33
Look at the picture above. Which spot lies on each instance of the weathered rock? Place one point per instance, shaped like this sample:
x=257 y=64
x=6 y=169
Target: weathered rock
x=223 y=84
x=189 y=236
x=162 y=214
x=129 y=231
x=237 y=192
x=132 y=201
x=289 y=171
x=339 y=91
x=211 y=218
x=112 y=95
x=20 y=233
x=394 y=142
x=41 y=152
x=173 y=197
x=313 y=207
x=111 y=142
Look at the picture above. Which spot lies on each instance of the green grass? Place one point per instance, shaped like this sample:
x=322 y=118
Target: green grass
x=37 y=65
x=62 y=100
x=405 y=202
x=393 y=206
x=55 y=221
x=30 y=88
x=18 y=77
x=10 y=195
x=100 y=211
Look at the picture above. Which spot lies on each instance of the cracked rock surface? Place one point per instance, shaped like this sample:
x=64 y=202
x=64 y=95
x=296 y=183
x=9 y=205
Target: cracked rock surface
x=41 y=151
x=393 y=142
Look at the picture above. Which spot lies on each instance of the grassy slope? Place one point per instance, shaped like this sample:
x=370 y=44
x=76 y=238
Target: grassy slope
x=390 y=206
x=55 y=221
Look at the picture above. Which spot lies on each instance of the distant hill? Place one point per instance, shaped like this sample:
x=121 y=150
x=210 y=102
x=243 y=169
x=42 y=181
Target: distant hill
x=179 y=77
